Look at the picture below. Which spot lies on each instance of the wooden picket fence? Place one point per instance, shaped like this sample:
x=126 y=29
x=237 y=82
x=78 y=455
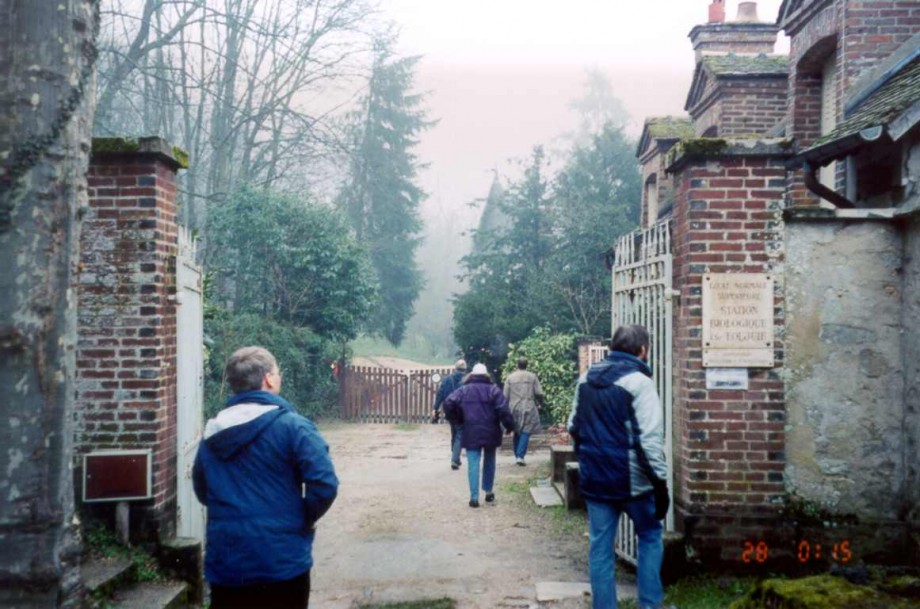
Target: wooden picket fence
x=370 y=394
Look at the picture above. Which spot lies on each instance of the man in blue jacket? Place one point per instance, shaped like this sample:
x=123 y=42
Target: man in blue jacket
x=265 y=475
x=618 y=428
x=450 y=384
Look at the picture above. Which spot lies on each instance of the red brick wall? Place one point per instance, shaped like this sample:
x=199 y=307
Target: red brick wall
x=859 y=34
x=742 y=107
x=752 y=106
x=872 y=30
x=729 y=457
x=126 y=354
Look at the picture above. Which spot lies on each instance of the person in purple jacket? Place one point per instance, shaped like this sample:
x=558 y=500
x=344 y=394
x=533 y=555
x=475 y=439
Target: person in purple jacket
x=482 y=409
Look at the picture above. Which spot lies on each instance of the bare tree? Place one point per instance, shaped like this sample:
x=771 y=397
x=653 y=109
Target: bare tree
x=47 y=96
x=246 y=86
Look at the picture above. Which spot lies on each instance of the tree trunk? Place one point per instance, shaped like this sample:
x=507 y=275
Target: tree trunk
x=48 y=50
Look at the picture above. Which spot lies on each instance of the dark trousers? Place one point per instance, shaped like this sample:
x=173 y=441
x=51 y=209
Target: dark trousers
x=290 y=594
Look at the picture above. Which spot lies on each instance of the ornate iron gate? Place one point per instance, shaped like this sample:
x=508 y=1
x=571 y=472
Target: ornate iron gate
x=642 y=294
x=383 y=395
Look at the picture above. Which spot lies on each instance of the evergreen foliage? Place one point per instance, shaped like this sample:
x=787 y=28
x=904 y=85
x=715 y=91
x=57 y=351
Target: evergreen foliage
x=288 y=275
x=552 y=358
x=290 y=261
x=381 y=196
x=539 y=260
x=303 y=357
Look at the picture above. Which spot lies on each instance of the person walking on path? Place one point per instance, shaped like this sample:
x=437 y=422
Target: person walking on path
x=618 y=429
x=448 y=385
x=481 y=408
x=265 y=475
x=524 y=394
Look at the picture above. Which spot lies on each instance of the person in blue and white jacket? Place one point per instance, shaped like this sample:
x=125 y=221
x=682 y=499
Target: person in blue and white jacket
x=618 y=429
x=265 y=475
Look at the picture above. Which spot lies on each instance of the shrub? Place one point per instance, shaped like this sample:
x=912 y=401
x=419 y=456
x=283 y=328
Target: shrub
x=552 y=357
x=303 y=356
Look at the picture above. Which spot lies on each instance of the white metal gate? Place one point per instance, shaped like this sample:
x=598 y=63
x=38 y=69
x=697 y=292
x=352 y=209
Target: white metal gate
x=642 y=295
x=190 y=392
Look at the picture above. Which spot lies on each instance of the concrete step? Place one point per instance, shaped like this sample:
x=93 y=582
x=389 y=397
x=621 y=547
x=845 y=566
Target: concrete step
x=151 y=595
x=102 y=576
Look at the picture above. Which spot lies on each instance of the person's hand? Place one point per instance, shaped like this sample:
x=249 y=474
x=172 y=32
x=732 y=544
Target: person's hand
x=434 y=417
x=662 y=499
x=508 y=432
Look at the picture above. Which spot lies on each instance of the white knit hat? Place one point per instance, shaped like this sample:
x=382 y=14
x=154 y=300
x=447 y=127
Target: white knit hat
x=480 y=370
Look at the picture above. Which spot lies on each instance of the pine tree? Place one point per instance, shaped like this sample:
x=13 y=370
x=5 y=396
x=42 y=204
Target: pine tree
x=381 y=197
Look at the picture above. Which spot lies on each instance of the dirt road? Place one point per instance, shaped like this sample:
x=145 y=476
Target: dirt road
x=401 y=528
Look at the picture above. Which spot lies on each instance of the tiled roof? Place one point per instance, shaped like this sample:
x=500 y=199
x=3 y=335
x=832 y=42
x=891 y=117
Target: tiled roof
x=882 y=107
x=669 y=127
x=744 y=65
x=663 y=128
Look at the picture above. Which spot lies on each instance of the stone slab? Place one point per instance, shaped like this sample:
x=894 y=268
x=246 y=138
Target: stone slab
x=557 y=591
x=545 y=496
x=151 y=595
x=98 y=573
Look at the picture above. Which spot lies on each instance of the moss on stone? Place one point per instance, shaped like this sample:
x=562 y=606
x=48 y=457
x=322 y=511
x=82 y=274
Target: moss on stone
x=816 y=592
x=115 y=144
x=703 y=146
x=131 y=145
x=181 y=157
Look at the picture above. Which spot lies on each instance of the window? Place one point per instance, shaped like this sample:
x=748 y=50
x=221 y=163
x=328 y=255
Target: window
x=829 y=113
x=651 y=200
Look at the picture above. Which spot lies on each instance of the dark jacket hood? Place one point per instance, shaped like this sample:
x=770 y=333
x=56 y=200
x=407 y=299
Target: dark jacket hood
x=615 y=366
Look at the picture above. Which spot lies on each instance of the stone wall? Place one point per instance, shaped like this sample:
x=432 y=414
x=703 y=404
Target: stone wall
x=910 y=314
x=126 y=354
x=844 y=371
x=729 y=445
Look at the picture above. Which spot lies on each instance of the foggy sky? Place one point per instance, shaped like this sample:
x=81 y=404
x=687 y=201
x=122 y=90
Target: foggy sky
x=500 y=75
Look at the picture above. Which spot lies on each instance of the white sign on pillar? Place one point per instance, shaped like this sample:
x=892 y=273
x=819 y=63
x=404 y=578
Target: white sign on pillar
x=737 y=320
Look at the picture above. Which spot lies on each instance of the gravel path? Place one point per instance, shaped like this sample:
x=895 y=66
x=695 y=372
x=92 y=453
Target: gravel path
x=401 y=528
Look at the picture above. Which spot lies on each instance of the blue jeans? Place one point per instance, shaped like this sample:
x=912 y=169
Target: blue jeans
x=603 y=519
x=488 y=470
x=456 y=435
x=520 y=444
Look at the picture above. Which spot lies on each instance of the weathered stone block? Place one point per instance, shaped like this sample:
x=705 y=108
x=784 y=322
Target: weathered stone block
x=572 y=497
x=559 y=456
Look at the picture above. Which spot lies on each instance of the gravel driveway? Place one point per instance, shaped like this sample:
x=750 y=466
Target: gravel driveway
x=401 y=528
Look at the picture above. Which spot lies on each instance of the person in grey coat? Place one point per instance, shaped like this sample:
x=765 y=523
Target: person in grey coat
x=524 y=395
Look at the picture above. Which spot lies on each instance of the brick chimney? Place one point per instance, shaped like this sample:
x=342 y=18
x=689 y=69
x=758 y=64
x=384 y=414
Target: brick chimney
x=717 y=11
x=746 y=35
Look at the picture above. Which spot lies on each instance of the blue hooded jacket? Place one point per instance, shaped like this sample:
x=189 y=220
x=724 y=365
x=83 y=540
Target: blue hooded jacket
x=618 y=427
x=265 y=475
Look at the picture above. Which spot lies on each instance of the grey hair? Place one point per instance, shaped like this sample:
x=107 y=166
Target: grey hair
x=630 y=339
x=247 y=367
x=460 y=365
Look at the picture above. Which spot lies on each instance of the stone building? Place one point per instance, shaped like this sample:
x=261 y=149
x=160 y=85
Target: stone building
x=804 y=170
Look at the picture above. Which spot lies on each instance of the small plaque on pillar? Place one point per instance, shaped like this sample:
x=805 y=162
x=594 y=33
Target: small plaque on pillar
x=737 y=320
x=116 y=475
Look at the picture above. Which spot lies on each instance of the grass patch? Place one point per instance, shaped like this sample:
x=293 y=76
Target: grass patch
x=702 y=593
x=405 y=426
x=441 y=603
x=569 y=522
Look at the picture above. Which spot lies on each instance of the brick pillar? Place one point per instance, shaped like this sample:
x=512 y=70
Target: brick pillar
x=126 y=354
x=729 y=445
